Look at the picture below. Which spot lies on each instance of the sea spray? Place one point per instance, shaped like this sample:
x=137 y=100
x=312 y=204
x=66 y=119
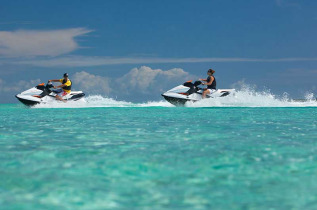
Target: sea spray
x=245 y=96
x=248 y=96
x=101 y=101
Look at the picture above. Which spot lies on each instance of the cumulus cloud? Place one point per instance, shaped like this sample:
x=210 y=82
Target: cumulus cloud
x=136 y=83
x=147 y=80
x=92 y=83
x=17 y=87
x=23 y=43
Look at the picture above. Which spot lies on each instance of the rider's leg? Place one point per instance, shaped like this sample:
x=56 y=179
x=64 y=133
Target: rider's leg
x=205 y=93
x=59 y=97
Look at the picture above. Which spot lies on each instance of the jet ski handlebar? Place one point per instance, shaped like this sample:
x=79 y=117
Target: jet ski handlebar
x=196 y=83
x=49 y=85
x=190 y=84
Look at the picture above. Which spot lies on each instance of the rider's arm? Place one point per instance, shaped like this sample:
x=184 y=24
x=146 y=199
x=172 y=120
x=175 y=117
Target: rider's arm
x=210 y=82
x=203 y=80
x=54 y=80
x=68 y=83
x=62 y=85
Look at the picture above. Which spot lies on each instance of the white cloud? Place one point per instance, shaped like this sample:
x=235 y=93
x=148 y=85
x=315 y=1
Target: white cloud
x=87 y=61
x=137 y=82
x=92 y=83
x=146 y=80
x=23 y=43
x=17 y=87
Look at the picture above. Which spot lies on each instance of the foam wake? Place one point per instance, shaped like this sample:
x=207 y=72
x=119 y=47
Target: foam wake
x=248 y=97
x=100 y=101
x=245 y=97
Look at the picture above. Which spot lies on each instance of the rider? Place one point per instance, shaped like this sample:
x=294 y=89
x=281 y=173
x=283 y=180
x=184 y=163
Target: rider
x=210 y=82
x=64 y=88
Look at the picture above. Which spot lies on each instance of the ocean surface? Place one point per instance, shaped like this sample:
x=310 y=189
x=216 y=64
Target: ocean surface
x=251 y=151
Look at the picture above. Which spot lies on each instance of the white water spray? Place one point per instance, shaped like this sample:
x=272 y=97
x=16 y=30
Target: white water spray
x=247 y=96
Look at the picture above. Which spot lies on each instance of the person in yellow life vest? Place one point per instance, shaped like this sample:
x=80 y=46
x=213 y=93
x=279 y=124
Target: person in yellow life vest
x=64 y=88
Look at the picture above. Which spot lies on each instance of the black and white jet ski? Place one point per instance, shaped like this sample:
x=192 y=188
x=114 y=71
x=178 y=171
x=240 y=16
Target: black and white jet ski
x=189 y=91
x=45 y=94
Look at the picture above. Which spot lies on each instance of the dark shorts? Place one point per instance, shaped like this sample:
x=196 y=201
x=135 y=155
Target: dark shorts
x=60 y=92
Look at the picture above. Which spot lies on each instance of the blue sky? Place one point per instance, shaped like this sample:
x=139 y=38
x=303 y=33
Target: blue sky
x=134 y=50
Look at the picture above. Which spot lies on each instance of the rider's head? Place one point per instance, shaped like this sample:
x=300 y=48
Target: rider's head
x=65 y=75
x=210 y=72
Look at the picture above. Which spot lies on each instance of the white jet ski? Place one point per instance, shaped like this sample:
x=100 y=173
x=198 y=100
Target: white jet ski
x=45 y=94
x=189 y=91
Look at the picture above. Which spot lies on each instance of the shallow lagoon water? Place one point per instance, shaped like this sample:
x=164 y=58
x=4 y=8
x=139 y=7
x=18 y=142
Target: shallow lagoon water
x=144 y=157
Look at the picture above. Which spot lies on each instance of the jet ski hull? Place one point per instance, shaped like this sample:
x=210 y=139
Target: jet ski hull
x=76 y=97
x=43 y=94
x=181 y=94
x=31 y=100
x=176 y=101
x=27 y=102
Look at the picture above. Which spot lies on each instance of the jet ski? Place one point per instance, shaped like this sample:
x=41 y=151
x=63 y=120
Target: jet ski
x=45 y=94
x=189 y=91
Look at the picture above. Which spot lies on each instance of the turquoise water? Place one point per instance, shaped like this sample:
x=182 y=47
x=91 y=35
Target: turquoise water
x=158 y=157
